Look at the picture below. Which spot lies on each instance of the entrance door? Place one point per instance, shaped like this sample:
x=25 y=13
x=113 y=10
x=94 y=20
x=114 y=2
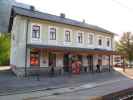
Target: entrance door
x=52 y=59
x=90 y=63
x=66 y=62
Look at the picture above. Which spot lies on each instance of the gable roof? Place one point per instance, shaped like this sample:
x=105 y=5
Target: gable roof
x=45 y=16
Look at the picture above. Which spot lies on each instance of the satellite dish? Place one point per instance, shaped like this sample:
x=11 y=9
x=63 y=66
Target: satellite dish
x=5 y=10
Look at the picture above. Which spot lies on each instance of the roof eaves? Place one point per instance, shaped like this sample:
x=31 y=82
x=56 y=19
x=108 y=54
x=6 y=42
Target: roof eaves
x=54 y=18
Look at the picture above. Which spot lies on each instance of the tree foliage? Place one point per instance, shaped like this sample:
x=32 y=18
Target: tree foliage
x=4 y=49
x=125 y=45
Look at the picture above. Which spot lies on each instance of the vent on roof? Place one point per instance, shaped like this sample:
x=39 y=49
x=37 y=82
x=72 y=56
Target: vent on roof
x=83 y=21
x=62 y=15
x=32 y=8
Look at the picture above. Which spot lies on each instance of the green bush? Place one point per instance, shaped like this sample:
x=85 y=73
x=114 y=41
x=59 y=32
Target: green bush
x=4 y=49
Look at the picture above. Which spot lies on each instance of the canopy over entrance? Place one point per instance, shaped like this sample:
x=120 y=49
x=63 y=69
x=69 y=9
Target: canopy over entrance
x=74 y=49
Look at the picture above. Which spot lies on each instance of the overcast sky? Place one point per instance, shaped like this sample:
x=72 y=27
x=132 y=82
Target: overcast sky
x=114 y=15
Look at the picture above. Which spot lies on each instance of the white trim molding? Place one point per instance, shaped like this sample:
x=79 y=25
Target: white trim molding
x=89 y=38
x=110 y=42
x=56 y=38
x=102 y=41
x=64 y=36
x=83 y=41
x=36 y=40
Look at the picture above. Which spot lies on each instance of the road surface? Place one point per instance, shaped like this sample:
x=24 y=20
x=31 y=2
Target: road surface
x=76 y=93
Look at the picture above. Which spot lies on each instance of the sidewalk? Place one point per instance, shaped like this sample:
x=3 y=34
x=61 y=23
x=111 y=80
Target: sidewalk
x=12 y=85
x=81 y=92
x=128 y=72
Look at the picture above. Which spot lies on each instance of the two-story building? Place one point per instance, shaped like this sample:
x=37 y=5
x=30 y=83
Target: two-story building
x=39 y=40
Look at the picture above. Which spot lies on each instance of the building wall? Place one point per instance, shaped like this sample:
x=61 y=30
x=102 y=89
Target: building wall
x=18 y=53
x=18 y=41
x=60 y=35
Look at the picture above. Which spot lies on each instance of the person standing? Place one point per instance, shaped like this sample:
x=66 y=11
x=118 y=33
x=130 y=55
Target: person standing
x=78 y=65
x=74 y=67
x=98 y=68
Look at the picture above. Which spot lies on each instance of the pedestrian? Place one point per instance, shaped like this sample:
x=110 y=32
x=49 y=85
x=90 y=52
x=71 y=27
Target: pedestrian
x=78 y=66
x=98 y=68
x=74 y=67
x=52 y=70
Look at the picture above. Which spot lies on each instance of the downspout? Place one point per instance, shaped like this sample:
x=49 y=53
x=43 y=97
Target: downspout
x=26 y=40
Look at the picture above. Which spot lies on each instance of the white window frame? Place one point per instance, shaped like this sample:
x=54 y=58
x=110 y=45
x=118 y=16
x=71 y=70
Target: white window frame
x=89 y=38
x=108 y=40
x=65 y=35
x=36 y=39
x=82 y=37
x=49 y=33
x=102 y=39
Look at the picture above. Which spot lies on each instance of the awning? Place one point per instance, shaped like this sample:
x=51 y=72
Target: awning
x=73 y=49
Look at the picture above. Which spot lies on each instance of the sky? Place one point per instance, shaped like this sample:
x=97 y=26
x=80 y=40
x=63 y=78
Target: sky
x=113 y=15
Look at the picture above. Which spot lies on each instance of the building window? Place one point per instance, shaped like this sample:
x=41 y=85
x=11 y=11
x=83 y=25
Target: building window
x=36 y=32
x=52 y=33
x=80 y=38
x=108 y=42
x=100 y=42
x=90 y=39
x=67 y=36
x=34 y=58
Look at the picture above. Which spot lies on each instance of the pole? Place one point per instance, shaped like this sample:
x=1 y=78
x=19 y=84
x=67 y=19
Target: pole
x=123 y=64
x=109 y=63
x=26 y=39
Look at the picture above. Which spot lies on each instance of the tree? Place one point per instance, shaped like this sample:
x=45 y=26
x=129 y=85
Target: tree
x=4 y=49
x=125 y=46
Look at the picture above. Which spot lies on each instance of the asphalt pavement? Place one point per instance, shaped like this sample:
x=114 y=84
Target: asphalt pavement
x=10 y=84
x=82 y=92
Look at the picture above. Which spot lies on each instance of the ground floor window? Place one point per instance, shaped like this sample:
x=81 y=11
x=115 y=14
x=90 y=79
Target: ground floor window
x=90 y=62
x=34 y=57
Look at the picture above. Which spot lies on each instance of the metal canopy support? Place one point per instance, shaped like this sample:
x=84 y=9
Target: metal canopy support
x=123 y=64
x=109 y=63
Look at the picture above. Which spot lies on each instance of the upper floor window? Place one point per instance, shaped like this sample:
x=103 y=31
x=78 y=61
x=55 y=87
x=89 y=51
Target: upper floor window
x=90 y=39
x=67 y=36
x=108 y=42
x=100 y=42
x=80 y=38
x=52 y=33
x=36 y=32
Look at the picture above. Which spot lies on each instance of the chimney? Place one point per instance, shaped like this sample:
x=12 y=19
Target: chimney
x=83 y=21
x=32 y=8
x=62 y=15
